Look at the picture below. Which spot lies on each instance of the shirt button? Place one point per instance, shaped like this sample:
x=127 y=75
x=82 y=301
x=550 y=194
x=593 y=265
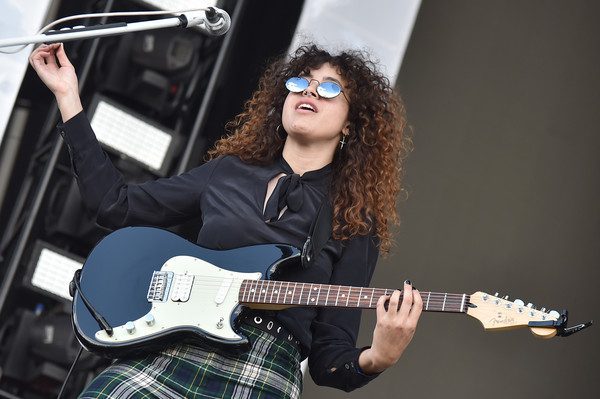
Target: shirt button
x=347 y=366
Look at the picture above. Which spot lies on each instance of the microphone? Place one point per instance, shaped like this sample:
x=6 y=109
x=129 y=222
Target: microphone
x=213 y=21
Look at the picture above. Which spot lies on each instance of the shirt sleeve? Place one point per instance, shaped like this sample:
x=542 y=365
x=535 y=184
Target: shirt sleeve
x=163 y=202
x=333 y=360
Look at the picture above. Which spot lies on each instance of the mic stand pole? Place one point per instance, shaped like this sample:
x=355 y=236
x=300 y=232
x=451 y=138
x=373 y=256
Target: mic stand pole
x=213 y=22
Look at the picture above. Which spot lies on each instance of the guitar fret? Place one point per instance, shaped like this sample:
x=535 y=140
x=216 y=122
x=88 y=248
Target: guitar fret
x=259 y=286
x=462 y=303
x=372 y=295
x=338 y=295
x=444 y=304
x=308 y=296
x=279 y=291
x=254 y=291
x=318 y=294
x=348 y=298
x=287 y=290
x=359 y=295
x=427 y=304
x=270 y=286
x=264 y=290
x=294 y=293
x=327 y=297
x=301 y=291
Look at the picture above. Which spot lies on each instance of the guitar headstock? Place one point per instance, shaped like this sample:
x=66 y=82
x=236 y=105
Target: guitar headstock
x=497 y=313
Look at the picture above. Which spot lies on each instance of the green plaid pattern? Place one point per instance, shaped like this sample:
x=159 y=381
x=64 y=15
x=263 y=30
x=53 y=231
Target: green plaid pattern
x=271 y=369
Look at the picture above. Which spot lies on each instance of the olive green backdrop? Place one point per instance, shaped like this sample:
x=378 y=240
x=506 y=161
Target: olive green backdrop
x=504 y=195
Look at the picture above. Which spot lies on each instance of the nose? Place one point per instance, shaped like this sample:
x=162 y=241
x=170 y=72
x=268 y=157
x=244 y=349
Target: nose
x=311 y=90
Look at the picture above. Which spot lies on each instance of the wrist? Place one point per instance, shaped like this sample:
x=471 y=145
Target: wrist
x=371 y=363
x=69 y=105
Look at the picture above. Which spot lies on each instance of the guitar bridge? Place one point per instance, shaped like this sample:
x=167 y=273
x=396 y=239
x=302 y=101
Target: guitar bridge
x=160 y=285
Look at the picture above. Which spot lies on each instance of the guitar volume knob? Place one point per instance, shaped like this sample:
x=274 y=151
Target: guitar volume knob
x=130 y=327
x=149 y=319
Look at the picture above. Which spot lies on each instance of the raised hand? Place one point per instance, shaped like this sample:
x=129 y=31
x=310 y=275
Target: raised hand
x=53 y=67
x=394 y=329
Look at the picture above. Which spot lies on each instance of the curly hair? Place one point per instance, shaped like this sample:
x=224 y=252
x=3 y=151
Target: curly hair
x=367 y=172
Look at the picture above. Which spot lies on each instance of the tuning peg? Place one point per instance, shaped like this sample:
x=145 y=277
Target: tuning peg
x=530 y=305
x=554 y=314
x=519 y=302
x=496 y=294
x=543 y=310
x=506 y=297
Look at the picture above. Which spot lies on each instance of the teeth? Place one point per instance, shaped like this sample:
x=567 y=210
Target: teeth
x=306 y=106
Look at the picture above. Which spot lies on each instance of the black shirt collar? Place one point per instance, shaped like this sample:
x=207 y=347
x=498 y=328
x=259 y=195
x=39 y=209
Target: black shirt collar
x=314 y=177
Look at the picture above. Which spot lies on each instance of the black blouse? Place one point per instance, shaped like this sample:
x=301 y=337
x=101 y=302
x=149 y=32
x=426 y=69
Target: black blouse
x=229 y=195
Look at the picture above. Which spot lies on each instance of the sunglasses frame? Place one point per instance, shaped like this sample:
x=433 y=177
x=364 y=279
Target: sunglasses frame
x=309 y=81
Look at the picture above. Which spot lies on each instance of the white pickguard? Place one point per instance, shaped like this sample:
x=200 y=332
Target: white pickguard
x=213 y=297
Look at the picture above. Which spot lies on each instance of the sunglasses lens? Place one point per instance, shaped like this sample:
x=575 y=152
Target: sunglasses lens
x=329 y=89
x=296 y=84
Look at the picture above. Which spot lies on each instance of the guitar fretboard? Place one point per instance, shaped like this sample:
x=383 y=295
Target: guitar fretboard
x=267 y=292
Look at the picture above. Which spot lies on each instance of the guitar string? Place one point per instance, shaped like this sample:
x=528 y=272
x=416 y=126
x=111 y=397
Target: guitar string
x=218 y=281
x=271 y=287
x=345 y=290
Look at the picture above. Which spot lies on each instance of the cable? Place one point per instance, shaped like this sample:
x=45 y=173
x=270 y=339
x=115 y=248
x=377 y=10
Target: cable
x=97 y=15
x=62 y=388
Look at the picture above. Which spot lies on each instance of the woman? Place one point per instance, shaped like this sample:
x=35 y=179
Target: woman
x=319 y=129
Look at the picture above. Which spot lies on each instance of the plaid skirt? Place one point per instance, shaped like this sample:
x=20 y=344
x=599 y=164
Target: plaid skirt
x=271 y=369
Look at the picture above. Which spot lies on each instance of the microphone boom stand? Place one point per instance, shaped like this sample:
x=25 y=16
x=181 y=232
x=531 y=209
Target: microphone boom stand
x=213 y=22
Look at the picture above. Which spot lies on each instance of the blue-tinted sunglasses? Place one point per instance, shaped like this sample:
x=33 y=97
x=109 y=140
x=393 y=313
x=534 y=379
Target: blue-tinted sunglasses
x=324 y=89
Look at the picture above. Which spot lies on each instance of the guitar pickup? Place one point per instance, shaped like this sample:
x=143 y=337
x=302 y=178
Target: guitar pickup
x=182 y=287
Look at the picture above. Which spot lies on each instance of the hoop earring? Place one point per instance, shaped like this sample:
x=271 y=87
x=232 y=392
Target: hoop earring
x=281 y=133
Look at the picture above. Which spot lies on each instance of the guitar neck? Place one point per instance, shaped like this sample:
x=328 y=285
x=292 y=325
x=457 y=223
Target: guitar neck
x=280 y=294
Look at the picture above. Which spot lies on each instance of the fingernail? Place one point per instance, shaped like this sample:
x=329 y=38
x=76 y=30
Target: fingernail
x=407 y=282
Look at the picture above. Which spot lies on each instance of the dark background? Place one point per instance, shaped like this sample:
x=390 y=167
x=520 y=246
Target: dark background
x=503 y=195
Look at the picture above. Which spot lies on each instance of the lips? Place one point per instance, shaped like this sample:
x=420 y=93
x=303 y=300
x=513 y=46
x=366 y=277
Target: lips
x=307 y=105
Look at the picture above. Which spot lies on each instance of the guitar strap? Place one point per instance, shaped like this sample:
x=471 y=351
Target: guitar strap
x=319 y=233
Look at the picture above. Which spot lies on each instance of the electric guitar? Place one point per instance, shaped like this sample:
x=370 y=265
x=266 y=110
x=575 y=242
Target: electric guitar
x=154 y=288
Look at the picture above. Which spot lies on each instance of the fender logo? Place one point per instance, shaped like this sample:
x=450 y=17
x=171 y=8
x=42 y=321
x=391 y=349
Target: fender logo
x=502 y=319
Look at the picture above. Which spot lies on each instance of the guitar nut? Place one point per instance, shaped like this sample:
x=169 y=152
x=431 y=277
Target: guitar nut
x=257 y=320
